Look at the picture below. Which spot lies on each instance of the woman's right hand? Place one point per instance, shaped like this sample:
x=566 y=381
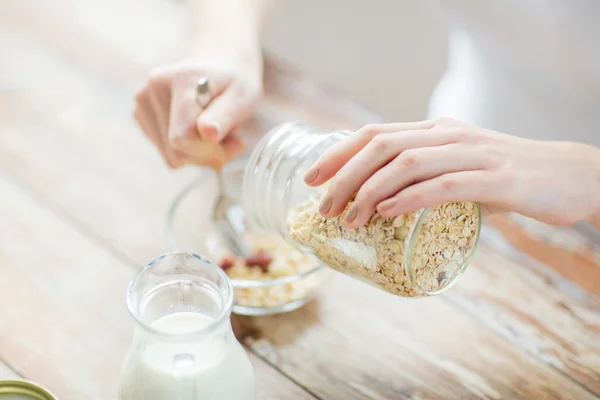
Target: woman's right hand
x=167 y=111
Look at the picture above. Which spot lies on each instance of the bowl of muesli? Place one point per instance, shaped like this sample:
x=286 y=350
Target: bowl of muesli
x=276 y=278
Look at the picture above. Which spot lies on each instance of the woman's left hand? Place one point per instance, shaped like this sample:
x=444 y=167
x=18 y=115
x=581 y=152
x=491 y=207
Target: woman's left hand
x=401 y=167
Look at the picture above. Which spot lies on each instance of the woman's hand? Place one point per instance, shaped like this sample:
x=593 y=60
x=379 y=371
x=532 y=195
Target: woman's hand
x=399 y=168
x=167 y=112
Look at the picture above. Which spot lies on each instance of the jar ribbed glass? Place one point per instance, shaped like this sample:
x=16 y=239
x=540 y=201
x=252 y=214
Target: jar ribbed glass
x=412 y=255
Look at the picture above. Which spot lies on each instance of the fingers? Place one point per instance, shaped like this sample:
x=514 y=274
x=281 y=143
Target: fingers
x=458 y=186
x=338 y=155
x=213 y=154
x=184 y=132
x=145 y=117
x=160 y=98
x=224 y=113
x=232 y=146
x=375 y=155
x=183 y=111
x=411 y=167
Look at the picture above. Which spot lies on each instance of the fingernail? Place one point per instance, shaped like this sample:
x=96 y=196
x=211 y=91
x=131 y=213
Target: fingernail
x=311 y=174
x=351 y=215
x=217 y=126
x=325 y=205
x=211 y=134
x=387 y=204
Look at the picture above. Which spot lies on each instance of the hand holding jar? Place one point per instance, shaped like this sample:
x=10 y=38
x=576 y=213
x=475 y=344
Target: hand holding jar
x=398 y=168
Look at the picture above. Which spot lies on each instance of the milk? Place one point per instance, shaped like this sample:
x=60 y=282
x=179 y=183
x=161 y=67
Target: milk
x=212 y=367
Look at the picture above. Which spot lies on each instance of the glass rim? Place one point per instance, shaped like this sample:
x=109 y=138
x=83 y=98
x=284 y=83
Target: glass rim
x=223 y=315
x=408 y=256
x=236 y=283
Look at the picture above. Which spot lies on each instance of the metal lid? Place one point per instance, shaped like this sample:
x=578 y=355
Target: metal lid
x=23 y=390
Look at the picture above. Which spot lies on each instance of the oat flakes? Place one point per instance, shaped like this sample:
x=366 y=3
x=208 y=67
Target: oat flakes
x=375 y=253
x=286 y=261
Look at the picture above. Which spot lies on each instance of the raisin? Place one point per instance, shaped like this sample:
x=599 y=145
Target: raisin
x=226 y=263
x=259 y=259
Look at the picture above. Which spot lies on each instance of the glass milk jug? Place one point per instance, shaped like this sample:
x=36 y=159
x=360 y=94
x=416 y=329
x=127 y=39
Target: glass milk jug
x=184 y=347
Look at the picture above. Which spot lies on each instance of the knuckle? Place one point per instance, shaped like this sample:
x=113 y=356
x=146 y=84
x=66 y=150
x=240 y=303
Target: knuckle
x=493 y=157
x=370 y=131
x=445 y=121
x=380 y=143
x=367 y=193
x=448 y=183
x=178 y=142
x=459 y=134
x=342 y=180
x=415 y=198
x=409 y=159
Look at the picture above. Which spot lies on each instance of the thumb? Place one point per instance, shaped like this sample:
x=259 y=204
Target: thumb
x=223 y=115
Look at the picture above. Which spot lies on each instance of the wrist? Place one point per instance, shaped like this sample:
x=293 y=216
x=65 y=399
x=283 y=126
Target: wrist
x=228 y=28
x=244 y=49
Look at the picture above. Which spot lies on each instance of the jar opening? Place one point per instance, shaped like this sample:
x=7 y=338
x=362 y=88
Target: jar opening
x=429 y=280
x=180 y=282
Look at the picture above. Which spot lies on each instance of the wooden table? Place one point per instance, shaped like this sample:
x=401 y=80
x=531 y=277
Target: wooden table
x=83 y=198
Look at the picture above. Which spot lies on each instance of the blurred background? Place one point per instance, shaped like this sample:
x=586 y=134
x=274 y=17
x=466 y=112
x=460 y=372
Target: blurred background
x=386 y=55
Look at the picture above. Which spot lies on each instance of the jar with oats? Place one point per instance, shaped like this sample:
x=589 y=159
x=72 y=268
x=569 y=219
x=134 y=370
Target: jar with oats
x=412 y=255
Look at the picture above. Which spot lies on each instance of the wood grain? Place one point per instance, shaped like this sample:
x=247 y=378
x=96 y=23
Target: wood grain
x=562 y=257
x=392 y=348
x=70 y=330
x=69 y=140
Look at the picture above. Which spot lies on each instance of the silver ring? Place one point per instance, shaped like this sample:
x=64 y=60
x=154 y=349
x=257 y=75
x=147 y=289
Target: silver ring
x=202 y=92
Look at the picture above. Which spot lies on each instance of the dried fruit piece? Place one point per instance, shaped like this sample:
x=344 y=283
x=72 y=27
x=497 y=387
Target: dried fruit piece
x=226 y=263
x=285 y=261
x=260 y=259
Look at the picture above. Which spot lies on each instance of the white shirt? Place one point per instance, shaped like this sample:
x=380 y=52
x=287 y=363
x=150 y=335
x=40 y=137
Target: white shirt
x=525 y=67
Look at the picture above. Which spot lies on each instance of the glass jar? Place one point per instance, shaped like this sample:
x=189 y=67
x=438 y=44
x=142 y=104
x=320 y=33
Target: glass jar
x=413 y=255
x=289 y=282
x=184 y=347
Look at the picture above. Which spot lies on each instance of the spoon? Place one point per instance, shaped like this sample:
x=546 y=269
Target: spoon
x=230 y=221
x=228 y=216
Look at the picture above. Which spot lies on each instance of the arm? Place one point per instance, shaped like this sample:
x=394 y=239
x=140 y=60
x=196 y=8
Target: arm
x=399 y=168
x=225 y=49
x=228 y=24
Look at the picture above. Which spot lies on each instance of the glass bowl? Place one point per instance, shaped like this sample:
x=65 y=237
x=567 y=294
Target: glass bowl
x=292 y=279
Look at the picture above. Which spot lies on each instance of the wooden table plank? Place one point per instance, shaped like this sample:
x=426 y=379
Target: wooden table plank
x=514 y=298
x=544 y=339
x=560 y=248
x=395 y=348
x=71 y=329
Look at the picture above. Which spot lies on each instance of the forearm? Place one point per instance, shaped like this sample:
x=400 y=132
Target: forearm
x=230 y=25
